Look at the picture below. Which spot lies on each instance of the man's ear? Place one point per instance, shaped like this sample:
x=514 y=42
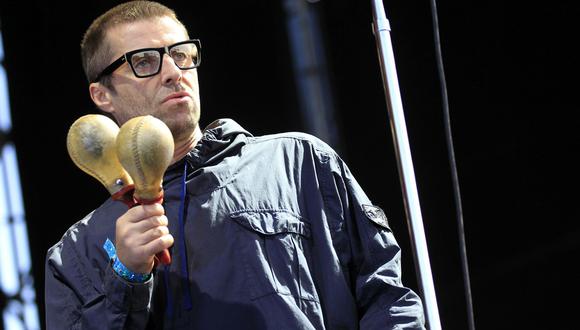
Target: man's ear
x=101 y=95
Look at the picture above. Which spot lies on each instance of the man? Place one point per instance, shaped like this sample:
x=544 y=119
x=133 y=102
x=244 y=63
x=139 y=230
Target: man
x=267 y=232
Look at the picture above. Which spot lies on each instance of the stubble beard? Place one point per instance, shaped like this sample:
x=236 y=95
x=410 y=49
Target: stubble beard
x=181 y=122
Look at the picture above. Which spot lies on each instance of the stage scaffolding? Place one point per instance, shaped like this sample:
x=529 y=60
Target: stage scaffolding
x=17 y=295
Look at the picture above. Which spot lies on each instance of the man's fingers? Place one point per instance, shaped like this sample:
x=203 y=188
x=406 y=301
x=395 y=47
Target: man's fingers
x=149 y=223
x=140 y=212
x=152 y=234
x=141 y=233
x=159 y=244
x=146 y=224
x=139 y=258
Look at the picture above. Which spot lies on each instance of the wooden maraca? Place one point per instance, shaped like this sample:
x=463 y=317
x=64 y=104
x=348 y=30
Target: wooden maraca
x=91 y=144
x=145 y=149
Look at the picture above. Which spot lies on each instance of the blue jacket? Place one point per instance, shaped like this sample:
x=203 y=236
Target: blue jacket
x=275 y=234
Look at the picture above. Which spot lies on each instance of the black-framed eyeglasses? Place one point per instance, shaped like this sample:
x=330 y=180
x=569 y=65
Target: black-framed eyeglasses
x=146 y=62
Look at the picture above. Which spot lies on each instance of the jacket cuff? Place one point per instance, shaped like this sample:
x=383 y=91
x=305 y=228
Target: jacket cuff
x=126 y=295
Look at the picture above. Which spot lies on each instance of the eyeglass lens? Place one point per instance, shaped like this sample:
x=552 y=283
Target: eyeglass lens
x=147 y=62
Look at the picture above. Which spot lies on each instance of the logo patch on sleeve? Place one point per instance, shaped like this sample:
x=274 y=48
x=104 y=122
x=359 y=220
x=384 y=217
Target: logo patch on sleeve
x=376 y=215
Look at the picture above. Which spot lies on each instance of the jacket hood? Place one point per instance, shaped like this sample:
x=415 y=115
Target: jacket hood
x=221 y=138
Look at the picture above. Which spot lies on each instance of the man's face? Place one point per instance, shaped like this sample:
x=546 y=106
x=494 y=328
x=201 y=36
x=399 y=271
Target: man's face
x=172 y=95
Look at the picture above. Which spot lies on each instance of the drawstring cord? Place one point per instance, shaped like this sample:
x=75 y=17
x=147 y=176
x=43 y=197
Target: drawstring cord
x=184 y=272
x=187 y=303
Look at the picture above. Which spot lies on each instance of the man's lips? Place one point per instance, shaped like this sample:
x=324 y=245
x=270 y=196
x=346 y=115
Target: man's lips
x=176 y=96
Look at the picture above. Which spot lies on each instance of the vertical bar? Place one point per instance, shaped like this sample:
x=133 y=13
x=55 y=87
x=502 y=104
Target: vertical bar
x=310 y=72
x=405 y=163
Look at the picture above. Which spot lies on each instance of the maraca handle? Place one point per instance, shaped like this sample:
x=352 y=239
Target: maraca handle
x=163 y=257
x=125 y=195
x=142 y=201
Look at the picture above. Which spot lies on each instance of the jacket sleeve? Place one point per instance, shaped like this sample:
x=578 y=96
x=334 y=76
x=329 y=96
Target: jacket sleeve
x=83 y=292
x=371 y=255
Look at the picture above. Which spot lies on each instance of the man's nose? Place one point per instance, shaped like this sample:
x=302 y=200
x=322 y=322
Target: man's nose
x=170 y=72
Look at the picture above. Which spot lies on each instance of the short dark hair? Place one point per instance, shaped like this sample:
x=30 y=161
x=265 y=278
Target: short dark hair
x=95 y=50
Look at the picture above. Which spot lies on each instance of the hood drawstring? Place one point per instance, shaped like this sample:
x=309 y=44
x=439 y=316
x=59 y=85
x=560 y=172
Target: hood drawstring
x=187 y=303
x=183 y=271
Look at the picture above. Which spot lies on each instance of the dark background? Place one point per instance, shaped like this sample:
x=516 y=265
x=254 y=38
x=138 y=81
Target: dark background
x=511 y=81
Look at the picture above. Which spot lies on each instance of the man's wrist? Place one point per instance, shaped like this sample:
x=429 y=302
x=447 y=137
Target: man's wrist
x=126 y=274
x=120 y=269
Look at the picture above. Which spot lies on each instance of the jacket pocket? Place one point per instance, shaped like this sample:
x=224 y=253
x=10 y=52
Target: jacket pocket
x=274 y=246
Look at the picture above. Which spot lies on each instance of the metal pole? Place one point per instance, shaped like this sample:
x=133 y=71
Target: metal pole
x=381 y=30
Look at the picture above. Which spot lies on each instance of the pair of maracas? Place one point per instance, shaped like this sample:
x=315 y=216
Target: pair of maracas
x=129 y=161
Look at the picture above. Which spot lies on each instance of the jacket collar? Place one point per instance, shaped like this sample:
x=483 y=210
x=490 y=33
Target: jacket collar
x=221 y=138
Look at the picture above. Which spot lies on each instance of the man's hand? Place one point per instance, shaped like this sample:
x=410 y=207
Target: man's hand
x=141 y=233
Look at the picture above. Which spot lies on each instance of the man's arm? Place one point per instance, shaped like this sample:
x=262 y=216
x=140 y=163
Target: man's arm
x=82 y=290
x=373 y=258
x=69 y=305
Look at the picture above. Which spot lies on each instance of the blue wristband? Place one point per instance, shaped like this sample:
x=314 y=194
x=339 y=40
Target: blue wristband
x=120 y=269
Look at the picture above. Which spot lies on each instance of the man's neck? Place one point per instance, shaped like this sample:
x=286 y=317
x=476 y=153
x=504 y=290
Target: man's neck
x=184 y=146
